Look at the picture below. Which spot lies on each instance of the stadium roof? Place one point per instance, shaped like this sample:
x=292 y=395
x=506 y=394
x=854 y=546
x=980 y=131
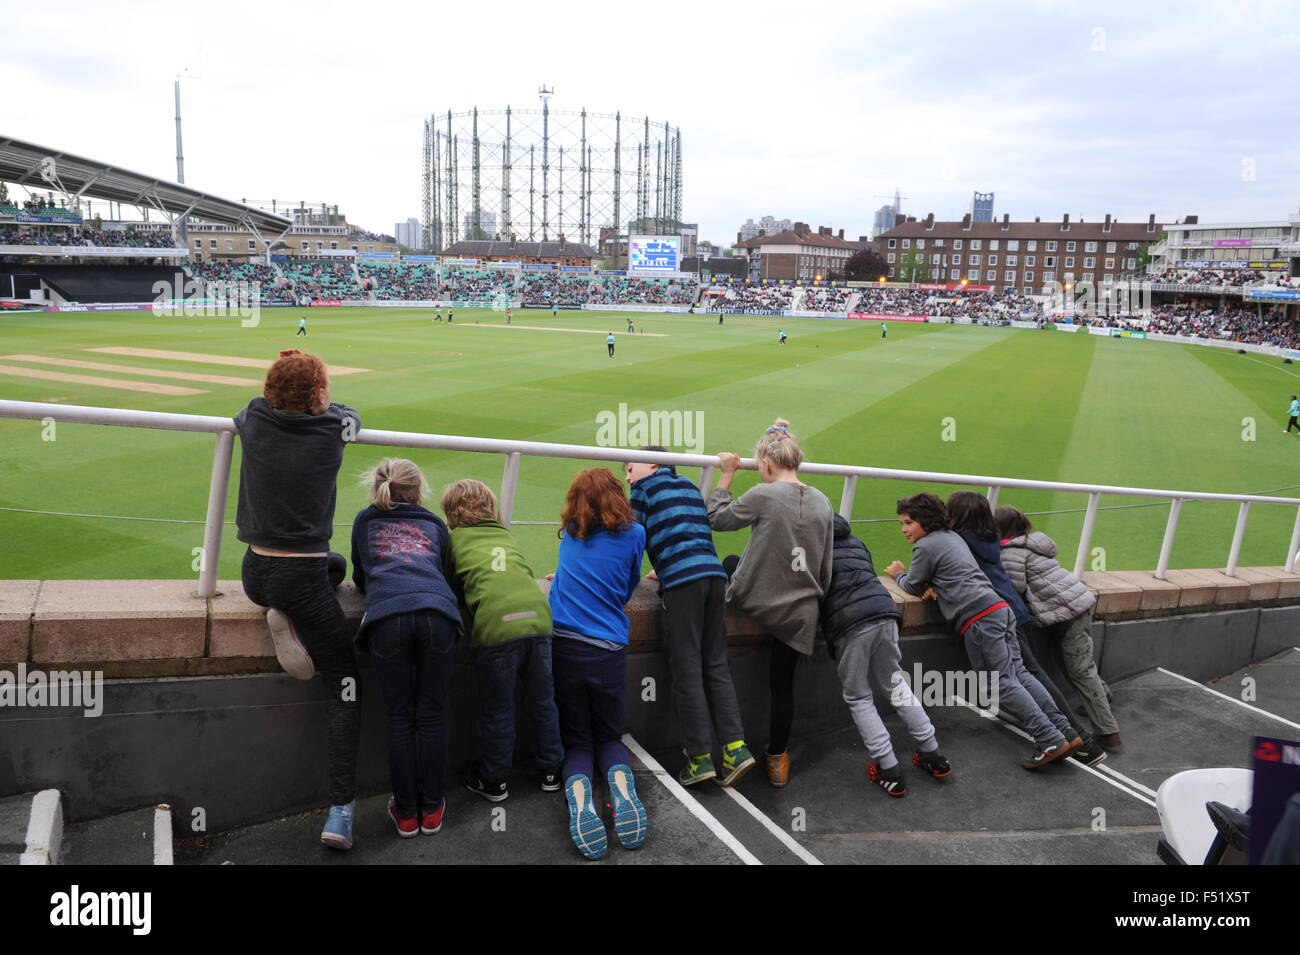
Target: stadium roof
x=35 y=166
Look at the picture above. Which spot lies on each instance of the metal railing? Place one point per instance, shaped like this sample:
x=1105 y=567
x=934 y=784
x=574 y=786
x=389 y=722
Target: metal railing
x=514 y=451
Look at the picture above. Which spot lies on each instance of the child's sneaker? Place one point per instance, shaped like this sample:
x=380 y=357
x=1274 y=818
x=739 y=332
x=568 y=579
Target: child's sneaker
x=293 y=656
x=629 y=814
x=1090 y=754
x=585 y=827
x=431 y=822
x=736 y=761
x=493 y=790
x=933 y=763
x=408 y=827
x=778 y=769
x=551 y=782
x=696 y=770
x=337 y=833
x=890 y=780
x=1048 y=754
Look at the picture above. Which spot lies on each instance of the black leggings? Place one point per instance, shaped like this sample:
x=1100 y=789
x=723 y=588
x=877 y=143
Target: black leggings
x=780 y=683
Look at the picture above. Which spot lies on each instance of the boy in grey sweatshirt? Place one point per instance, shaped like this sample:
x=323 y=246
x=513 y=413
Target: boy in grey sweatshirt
x=942 y=561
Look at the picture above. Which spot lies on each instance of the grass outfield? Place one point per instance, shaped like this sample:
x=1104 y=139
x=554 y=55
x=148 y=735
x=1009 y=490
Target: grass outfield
x=1024 y=403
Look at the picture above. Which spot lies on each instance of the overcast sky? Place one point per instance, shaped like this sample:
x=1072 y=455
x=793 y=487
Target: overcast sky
x=806 y=111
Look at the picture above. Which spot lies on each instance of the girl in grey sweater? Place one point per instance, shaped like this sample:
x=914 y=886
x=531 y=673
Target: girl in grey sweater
x=784 y=571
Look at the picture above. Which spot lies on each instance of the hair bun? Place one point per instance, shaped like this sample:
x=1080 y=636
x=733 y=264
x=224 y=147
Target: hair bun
x=780 y=423
x=289 y=351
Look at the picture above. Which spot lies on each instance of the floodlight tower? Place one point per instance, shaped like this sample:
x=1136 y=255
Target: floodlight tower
x=545 y=95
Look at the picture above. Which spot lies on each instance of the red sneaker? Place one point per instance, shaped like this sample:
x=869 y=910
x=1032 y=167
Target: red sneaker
x=431 y=822
x=408 y=827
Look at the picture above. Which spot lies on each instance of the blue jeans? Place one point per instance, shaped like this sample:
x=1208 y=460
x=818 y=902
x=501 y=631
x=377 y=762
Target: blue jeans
x=499 y=669
x=411 y=655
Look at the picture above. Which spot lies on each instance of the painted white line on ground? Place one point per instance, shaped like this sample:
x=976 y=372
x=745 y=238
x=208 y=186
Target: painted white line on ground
x=1132 y=782
x=556 y=328
x=44 y=839
x=1074 y=762
x=773 y=828
x=1274 y=367
x=162 y=835
x=692 y=805
x=1231 y=699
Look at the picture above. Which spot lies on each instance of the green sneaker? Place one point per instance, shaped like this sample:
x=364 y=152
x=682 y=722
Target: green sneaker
x=696 y=770
x=736 y=761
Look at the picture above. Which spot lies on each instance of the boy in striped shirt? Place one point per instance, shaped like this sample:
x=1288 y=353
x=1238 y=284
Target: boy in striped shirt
x=692 y=590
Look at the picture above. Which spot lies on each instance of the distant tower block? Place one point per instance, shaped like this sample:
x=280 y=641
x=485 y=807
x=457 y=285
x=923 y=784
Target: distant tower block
x=537 y=173
x=981 y=207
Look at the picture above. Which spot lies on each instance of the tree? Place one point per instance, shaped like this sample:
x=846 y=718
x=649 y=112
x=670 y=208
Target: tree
x=912 y=267
x=866 y=265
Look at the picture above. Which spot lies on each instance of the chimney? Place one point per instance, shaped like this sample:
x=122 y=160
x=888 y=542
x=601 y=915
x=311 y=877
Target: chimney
x=965 y=222
x=1105 y=227
x=899 y=219
x=512 y=240
x=562 y=242
x=1037 y=219
x=1006 y=222
x=929 y=222
x=1151 y=223
x=802 y=228
x=841 y=235
x=1065 y=222
x=1191 y=220
x=823 y=230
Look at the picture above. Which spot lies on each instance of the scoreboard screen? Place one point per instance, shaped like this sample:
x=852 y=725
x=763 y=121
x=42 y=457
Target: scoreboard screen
x=653 y=253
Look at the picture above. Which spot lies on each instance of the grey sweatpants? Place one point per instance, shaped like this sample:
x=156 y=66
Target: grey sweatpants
x=991 y=644
x=868 y=660
x=1076 y=651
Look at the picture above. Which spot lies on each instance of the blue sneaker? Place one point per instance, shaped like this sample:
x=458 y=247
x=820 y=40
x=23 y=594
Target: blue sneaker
x=337 y=833
x=585 y=826
x=629 y=814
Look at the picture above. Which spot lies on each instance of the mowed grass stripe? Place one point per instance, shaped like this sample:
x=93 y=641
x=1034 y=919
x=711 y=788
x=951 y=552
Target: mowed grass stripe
x=94 y=381
x=208 y=359
x=134 y=370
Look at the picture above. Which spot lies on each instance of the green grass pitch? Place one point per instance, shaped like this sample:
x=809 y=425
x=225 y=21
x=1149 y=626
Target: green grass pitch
x=1022 y=403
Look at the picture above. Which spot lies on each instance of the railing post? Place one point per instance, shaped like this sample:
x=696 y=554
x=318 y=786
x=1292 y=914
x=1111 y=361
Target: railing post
x=218 y=487
x=1085 y=539
x=993 y=496
x=1237 y=535
x=1294 y=546
x=846 y=498
x=706 y=480
x=509 y=484
x=1167 y=547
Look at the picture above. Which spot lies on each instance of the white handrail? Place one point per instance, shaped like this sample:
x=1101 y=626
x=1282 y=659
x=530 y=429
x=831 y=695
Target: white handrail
x=515 y=450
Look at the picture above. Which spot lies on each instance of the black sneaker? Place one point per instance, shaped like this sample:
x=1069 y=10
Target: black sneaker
x=493 y=790
x=1090 y=753
x=933 y=763
x=1040 y=758
x=551 y=781
x=890 y=780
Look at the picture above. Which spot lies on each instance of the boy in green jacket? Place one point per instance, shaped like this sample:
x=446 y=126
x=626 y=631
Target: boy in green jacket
x=511 y=636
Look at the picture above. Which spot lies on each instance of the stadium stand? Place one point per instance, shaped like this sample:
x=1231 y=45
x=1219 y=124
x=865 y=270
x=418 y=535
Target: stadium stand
x=1233 y=278
x=544 y=289
x=59 y=235
x=320 y=278
x=477 y=285
x=636 y=291
x=760 y=298
x=827 y=299
x=111 y=283
x=270 y=286
x=402 y=282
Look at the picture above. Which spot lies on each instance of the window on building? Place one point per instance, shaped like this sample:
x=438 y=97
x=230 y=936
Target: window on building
x=1069 y=246
x=993 y=244
x=974 y=259
x=935 y=274
x=198 y=243
x=1050 y=246
x=1069 y=261
x=1110 y=277
x=973 y=275
x=975 y=245
x=1110 y=263
x=1013 y=245
x=993 y=260
x=934 y=258
x=334 y=245
x=1009 y=277
x=1132 y=264
x=920 y=243
x=890 y=258
x=892 y=243
x=230 y=245
x=956 y=243
x=1049 y=276
x=1011 y=259
x=938 y=243
x=1090 y=247
x=990 y=276
x=954 y=274
x=1131 y=247
x=1110 y=246
x=252 y=246
x=212 y=243
x=1029 y=260
x=1089 y=262
x=304 y=245
x=1031 y=245
x=1049 y=261
x=907 y=243
x=1029 y=276
x=956 y=259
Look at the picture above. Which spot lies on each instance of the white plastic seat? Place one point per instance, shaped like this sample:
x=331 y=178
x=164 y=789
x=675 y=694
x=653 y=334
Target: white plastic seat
x=1181 y=800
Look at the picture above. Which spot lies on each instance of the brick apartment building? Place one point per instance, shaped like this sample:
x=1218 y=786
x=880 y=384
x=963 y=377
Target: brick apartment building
x=797 y=253
x=1022 y=255
x=555 y=252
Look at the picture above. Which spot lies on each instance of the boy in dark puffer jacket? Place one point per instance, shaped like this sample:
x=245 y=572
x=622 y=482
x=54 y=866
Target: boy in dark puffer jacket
x=860 y=623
